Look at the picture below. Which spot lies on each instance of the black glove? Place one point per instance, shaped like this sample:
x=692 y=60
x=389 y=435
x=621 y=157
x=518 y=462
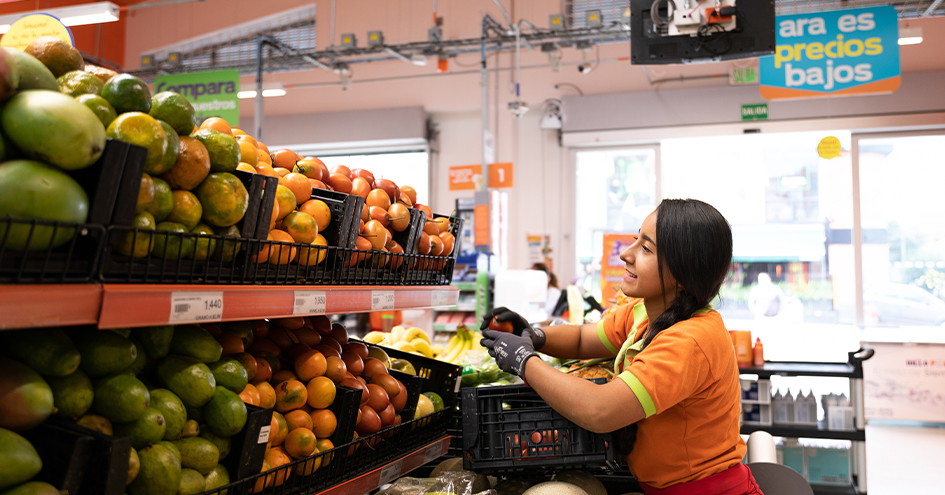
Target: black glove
x=518 y=323
x=509 y=350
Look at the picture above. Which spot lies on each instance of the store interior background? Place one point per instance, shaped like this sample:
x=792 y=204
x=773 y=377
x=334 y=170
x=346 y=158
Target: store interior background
x=394 y=105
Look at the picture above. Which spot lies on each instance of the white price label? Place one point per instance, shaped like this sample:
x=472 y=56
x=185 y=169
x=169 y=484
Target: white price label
x=440 y=298
x=264 y=434
x=432 y=453
x=459 y=381
x=390 y=473
x=382 y=300
x=309 y=303
x=194 y=307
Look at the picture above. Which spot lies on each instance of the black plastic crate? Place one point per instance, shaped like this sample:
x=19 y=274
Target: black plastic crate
x=342 y=231
x=438 y=376
x=414 y=386
x=345 y=408
x=370 y=267
x=455 y=430
x=410 y=236
x=435 y=270
x=177 y=268
x=73 y=262
x=248 y=446
x=258 y=270
x=512 y=429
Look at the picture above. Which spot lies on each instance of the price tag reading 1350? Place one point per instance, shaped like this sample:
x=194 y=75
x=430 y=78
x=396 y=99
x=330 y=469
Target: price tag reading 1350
x=194 y=307
x=382 y=300
x=309 y=303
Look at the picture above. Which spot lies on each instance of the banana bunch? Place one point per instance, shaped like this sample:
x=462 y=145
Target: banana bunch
x=464 y=340
x=413 y=340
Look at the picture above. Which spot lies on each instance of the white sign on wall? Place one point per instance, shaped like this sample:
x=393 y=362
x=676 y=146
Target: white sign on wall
x=905 y=382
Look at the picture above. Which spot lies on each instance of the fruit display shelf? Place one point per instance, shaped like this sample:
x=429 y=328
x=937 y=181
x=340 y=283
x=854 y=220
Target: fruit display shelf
x=121 y=305
x=389 y=472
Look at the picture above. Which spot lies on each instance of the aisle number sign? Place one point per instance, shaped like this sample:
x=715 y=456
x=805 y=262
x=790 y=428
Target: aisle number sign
x=213 y=94
x=837 y=53
x=26 y=29
x=612 y=267
x=467 y=177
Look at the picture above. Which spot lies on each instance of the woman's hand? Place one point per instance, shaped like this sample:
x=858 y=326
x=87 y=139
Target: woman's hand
x=510 y=351
x=505 y=320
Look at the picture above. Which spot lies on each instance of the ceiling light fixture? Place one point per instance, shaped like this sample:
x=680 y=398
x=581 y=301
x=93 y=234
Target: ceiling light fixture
x=76 y=15
x=910 y=36
x=270 y=90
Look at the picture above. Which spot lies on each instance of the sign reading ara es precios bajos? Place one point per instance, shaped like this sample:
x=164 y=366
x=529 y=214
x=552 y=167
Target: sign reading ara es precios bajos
x=213 y=94
x=837 y=53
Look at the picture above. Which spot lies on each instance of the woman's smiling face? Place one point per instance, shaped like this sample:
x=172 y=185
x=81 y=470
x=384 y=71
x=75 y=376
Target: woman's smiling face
x=641 y=276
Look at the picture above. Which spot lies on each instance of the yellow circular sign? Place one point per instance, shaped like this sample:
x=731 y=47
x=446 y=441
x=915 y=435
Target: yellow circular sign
x=26 y=29
x=829 y=147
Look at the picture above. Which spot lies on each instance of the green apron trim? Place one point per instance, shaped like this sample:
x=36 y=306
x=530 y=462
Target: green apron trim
x=603 y=337
x=640 y=391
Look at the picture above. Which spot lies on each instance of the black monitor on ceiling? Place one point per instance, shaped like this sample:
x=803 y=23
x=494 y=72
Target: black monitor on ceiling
x=650 y=44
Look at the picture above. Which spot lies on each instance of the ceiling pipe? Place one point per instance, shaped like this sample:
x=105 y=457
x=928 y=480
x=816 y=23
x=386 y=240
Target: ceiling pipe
x=155 y=4
x=931 y=10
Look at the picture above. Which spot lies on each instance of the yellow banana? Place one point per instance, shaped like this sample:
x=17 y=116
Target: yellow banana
x=459 y=349
x=476 y=337
x=397 y=333
x=437 y=349
x=374 y=337
x=414 y=333
x=423 y=346
x=403 y=346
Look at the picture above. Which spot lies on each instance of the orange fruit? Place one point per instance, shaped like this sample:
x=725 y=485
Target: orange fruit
x=240 y=132
x=263 y=255
x=245 y=167
x=321 y=392
x=285 y=158
x=248 y=152
x=278 y=457
x=324 y=445
x=324 y=423
x=299 y=185
x=217 y=124
x=281 y=254
x=336 y=369
x=224 y=199
x=310 y=256
x=286 y=200
x=267 y=394
x=310 y=466
x=262 y=482
x=187 y=209
x=263 y=157
x=319 y=211
x=291 y=394
x=301 y=226
x=310 y=365
x=278 y=429
x=282 y=376
x=282 y=172
x=265 y=169
x=248 y=362
x=192 y=165
x=262 y=147
x=298 y=419
x=250 y=395
x=232 y=343
x=300 y=443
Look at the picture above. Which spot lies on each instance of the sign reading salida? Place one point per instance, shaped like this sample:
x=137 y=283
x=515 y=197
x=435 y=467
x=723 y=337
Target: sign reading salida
x=844 y=52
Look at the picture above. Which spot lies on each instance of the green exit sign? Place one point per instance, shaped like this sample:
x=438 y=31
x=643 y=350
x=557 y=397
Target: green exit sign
x=758 y=111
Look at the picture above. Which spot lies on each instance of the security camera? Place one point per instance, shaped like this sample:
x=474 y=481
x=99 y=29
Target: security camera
x=585 y=68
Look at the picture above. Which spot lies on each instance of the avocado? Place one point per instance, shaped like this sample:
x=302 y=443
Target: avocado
x=105 y=352
x=121 y=398
x=57 y=55
x=156 y=340
x=171 y=446
x=225 y=413
x=188 y=378
x=33 y=488
x=217 y=478
x=191 y=482
x=230 y=374
x=49 y=352
x=133 y=465
x=72 y=394
x=175 y=415
x=33 y=74
x=19 y=461
x=224 y=444
x=144 y=431
x=193 y=341
x=160 y=472
x=198 y=453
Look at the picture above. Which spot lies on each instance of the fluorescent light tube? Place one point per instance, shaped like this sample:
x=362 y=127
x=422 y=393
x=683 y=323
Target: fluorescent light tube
x=76 y=15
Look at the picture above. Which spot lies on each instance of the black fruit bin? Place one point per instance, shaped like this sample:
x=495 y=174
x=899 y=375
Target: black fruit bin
x=371 y=267
x=178 y=267
x=409 y=237
x=436 y=376
x=293 y=272
x=249 y=445
x=435 y=270
x=511 y=429
x=345 y=408
x=78 y=460
x=342 y=230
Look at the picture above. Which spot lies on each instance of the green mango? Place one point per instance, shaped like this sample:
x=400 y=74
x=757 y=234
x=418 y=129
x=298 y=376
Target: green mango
x=49 y=352
x=193 y=341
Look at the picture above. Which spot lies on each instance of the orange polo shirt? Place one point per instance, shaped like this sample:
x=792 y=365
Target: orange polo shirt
x=687 y=382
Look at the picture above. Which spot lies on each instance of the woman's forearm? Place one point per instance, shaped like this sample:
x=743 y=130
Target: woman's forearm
x=573 y=342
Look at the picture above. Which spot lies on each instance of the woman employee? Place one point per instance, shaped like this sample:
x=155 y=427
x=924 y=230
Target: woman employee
x=674 y=405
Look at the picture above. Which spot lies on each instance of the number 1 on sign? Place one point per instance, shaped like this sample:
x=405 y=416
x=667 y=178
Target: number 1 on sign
x=382 y=300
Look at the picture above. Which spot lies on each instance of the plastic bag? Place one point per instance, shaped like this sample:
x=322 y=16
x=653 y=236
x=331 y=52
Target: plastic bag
x=448 y=483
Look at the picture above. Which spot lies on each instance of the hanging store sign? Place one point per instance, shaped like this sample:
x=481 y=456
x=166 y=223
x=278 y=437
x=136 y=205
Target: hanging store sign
x=757 y=111
x=837 y=53
x=213 y=94
x=467 y=177
x=26 y=29
x=612 y=267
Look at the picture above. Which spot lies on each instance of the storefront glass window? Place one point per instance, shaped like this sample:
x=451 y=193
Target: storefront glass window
x=903 y=222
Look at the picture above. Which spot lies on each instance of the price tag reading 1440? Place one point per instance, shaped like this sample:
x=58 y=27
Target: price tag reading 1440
x=382 y=300
x=194 y=307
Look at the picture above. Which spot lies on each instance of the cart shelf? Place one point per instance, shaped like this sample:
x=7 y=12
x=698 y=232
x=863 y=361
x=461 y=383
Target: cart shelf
x=119 y=305
x=805 y=432
x=370 y=481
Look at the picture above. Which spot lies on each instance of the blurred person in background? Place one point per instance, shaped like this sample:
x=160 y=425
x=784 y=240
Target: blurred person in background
x=554 y=292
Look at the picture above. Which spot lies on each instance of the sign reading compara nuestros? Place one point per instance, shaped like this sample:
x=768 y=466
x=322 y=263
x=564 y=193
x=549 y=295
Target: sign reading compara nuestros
x=837 y=53
x=213 y=94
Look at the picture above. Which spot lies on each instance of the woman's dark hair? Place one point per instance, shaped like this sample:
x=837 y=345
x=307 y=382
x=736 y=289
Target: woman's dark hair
x=694 y=241
x=552 y=279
